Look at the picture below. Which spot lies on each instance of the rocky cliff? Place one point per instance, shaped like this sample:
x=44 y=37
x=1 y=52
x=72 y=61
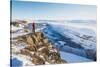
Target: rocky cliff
x=38 y=48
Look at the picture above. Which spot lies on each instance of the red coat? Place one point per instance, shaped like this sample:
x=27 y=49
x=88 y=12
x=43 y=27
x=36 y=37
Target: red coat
x=33 y=26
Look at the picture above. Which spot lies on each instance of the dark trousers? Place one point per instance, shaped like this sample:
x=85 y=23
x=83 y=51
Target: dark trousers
x=33 y=30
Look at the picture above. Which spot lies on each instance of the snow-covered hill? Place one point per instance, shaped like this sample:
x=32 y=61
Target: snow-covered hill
x=75 y=40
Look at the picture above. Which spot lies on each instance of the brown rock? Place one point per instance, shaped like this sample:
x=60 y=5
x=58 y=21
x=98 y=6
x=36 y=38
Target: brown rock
x=37 y=60
x=41 y=46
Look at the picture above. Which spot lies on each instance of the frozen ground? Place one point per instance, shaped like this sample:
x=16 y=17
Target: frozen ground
x=75 y=38
x=72 y=58
x=76 y=41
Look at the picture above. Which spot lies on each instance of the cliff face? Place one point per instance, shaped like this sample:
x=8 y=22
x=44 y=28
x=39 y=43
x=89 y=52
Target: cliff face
x=38 y=48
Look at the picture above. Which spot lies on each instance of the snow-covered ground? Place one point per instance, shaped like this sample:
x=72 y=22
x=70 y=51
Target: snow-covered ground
x=72 y=58
x=76 y=41
x=85 y=36
x=75 y=38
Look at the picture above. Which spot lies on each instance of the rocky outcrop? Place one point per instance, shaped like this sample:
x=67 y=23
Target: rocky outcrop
x=40 y=49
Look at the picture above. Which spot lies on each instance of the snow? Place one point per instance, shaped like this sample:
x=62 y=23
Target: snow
x=72 y=38
x=15 y=28
x=76 y=34
x=24 y=59
x=72 y=58
x=15 y=62
x=67 y=37
x=19 y=46
x=61 y=42
x=79 y=52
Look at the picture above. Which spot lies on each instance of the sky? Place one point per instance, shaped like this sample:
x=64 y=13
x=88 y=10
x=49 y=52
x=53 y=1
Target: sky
x=52 y=11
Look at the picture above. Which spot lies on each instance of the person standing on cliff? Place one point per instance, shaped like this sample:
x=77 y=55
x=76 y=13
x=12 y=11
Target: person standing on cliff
x=33 y=27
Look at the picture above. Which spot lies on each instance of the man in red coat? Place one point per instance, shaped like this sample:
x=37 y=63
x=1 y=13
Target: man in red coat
x=33 y=27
